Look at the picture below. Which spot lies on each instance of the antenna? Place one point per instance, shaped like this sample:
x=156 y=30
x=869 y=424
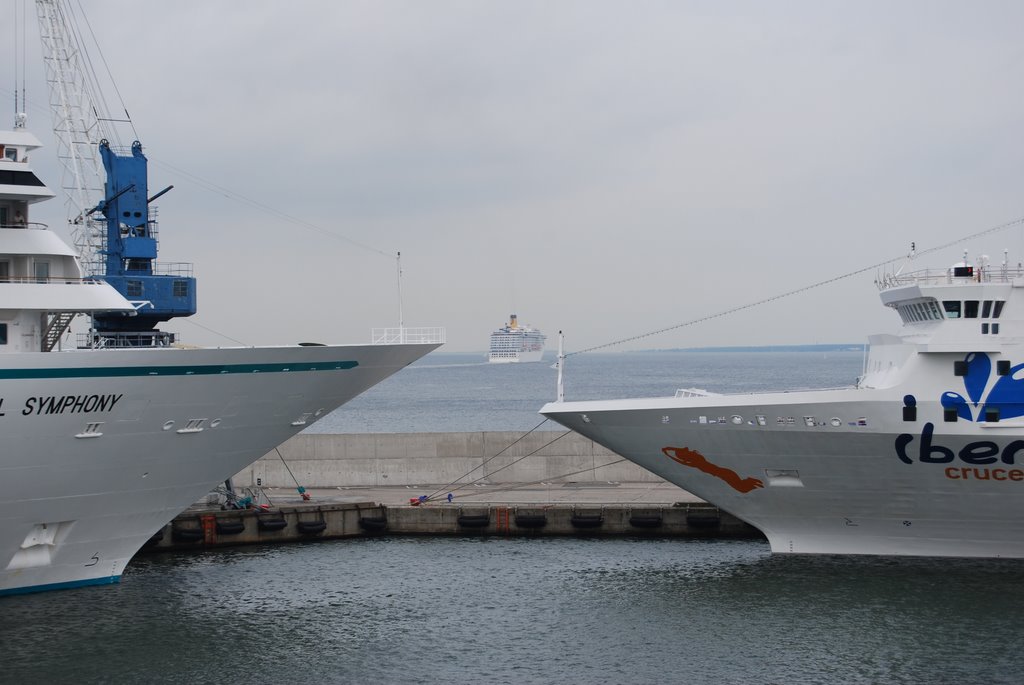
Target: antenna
x=401 y=318
x=560 y=389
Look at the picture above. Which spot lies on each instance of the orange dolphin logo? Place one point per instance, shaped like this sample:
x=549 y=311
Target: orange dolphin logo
x=695 y=459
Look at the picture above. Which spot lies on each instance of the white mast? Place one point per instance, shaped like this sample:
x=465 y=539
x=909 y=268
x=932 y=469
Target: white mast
x=401 y=318
x=560 y=389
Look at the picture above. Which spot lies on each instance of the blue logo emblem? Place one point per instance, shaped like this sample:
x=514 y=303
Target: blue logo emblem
x=1007 y=395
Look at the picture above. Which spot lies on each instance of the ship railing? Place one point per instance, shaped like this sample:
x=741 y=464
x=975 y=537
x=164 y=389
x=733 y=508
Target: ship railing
x=697 y=392
x=408 y=336
x=59 y=280
x=95 y=340
x=183 y=269
x=31 y=224
x=694 y=392
x=990 y=274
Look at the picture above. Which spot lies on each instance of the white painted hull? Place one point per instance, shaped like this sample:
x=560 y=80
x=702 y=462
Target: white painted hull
x=77 y=501
x=825 y=488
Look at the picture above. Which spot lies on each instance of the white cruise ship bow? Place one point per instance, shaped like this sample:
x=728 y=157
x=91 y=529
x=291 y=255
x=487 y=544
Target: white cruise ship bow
x=105 y=444
x=924 y=456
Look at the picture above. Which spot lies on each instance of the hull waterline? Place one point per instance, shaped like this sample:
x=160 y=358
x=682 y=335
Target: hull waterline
x=102 y=448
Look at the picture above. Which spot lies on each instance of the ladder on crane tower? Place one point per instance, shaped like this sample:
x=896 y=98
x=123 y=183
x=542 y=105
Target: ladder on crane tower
x=75 y=103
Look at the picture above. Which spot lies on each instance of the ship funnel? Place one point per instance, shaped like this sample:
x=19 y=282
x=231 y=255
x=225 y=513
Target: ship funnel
x=512 y=321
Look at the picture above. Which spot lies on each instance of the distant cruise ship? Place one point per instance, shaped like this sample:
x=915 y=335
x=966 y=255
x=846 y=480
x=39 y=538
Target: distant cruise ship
x=515 y=343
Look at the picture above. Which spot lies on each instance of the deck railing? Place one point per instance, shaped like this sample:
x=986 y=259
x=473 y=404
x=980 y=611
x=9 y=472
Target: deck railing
x=990 y=274
x=144 y=339
x=51 y=280
x=31 y=224
x=408 y=336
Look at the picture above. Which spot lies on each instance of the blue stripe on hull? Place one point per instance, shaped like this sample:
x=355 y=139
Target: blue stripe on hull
x=202 y=370
x=107 y=580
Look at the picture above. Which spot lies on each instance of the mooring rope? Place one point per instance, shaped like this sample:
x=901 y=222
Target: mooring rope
x=302 y=490
x=517 y=486
x=447 y=488
x=450 y=490
x=758 y=303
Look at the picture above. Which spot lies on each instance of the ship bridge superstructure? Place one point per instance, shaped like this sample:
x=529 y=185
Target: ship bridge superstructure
x=42 y=287
x=947 y=315
x=957 y=309
x=19 y=185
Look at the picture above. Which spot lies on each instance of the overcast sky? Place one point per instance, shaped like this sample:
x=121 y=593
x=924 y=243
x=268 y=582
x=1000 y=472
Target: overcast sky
x=604 y=168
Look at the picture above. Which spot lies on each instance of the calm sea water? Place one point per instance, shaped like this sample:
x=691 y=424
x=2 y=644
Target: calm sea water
x=523 y=611
x=444 y=392
x=495 y=610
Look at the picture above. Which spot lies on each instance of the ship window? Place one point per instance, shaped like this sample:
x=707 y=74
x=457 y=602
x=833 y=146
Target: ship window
x=180 y=289
x=5 y=271
x=41 y=270
x=19 y=178
x=949 y=415
x=952 y=308
x=991 y=414
x=11 y=153
x=971 y=309
x=936 y=312
x=133 y=288
x=960 y=368
x=910 y=413
x=995 y=329
x=984 y=329
x=1003 y=366
x=3 y=334
x=998 y=309
x=986 y=309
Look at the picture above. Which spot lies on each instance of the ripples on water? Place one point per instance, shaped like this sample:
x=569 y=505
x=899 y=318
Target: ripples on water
x=495 y=610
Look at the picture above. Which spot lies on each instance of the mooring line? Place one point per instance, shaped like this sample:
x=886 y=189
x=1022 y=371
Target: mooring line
x=447 y=488
x=709 y=317
x=517 y=486
x=302 y=490
x=511 y=463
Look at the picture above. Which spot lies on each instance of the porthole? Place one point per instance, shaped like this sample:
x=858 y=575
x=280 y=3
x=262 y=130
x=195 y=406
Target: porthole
x=169 y=425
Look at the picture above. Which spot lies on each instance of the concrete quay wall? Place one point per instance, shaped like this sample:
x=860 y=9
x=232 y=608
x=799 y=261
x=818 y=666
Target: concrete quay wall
x=197 y=530
x=398 y=459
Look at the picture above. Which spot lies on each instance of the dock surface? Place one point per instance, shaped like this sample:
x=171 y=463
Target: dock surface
x=557 y=509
